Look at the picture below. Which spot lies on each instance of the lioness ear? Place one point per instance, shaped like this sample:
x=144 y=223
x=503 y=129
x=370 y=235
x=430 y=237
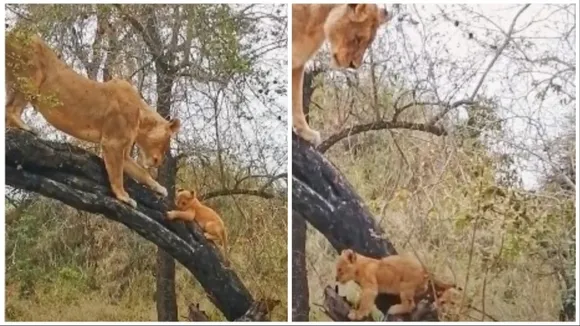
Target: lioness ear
x=174 y=125
x=352 y=6
x=384 y=16
x=359 y=13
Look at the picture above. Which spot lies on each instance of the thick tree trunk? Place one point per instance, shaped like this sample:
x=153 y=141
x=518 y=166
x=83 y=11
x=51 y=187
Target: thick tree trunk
x=300 y=292
x=300 y=295
x=165 y=277
x=78 y=178
x=165 y=287
x=323 y=196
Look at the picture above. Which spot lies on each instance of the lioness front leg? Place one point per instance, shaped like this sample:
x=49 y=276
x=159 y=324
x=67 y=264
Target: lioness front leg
x=113 y=156
x=366 y=304
x=298 y=119
x=142 y=176
x=15 y=104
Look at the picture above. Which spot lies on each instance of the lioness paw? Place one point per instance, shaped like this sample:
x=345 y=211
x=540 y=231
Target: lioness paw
x=160 y=190
x=310 y=135
x=129 y=201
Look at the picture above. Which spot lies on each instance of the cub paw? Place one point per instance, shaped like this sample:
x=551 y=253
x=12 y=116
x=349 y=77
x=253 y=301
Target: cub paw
x=171 y=214
x=352 y=315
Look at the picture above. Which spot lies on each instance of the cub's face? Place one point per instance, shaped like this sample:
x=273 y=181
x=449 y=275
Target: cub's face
x=345 y=266
x=350 y=29
x=183 y=198
x=156 y=143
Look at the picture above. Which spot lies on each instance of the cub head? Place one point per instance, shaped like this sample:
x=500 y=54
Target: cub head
x=155 y=142
x=184 y=198
x=345 y=266
x=448 y=298
x=350 y=29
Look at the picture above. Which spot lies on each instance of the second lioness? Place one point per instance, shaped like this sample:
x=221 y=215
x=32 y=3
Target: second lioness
x=110 y=113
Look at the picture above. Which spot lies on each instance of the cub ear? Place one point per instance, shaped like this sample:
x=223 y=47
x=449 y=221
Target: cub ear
x=179 y=190
x=350 y=255
x=384 y=16
x=174 y=125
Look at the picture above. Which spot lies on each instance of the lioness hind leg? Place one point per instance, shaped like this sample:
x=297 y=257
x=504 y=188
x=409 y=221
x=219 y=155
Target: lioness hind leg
x=113 y=155
x=15 y=105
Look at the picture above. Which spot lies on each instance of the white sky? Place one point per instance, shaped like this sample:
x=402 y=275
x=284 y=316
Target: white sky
x=457 y=63
x=263 y=137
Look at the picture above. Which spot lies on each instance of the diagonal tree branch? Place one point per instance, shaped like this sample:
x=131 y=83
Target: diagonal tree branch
x=230 y=192
x=498 y=53
x=379 y=125
x=77 y=178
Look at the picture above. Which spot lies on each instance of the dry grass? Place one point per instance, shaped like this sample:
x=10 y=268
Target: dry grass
x=428 y=193
x=63 y=265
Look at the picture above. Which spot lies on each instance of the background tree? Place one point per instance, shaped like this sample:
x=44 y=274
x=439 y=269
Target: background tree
x=219 y=68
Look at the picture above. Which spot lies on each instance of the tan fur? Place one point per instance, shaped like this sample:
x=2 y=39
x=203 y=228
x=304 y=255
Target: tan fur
x=396 y=274
x=190 y=209
x=111 y=114
x=349 y=28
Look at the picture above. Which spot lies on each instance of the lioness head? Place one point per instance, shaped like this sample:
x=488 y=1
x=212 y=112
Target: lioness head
x=183 y=198
x=345 y=266
x=350 y=29
x=156 y=143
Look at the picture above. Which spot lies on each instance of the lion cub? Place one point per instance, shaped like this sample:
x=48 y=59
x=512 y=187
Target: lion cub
x=190 y=209
x=396 y=274
x=349 y=28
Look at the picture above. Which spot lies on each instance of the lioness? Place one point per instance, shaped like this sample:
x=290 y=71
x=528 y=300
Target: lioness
x=349 y=28
x=111 y=114
x=396 y=274
x=190 y=209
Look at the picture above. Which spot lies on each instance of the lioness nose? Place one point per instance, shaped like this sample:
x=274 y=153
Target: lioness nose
x=352 y=65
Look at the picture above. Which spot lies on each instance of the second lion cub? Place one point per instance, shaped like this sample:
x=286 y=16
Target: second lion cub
x=396 y=274
x=190 y=209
